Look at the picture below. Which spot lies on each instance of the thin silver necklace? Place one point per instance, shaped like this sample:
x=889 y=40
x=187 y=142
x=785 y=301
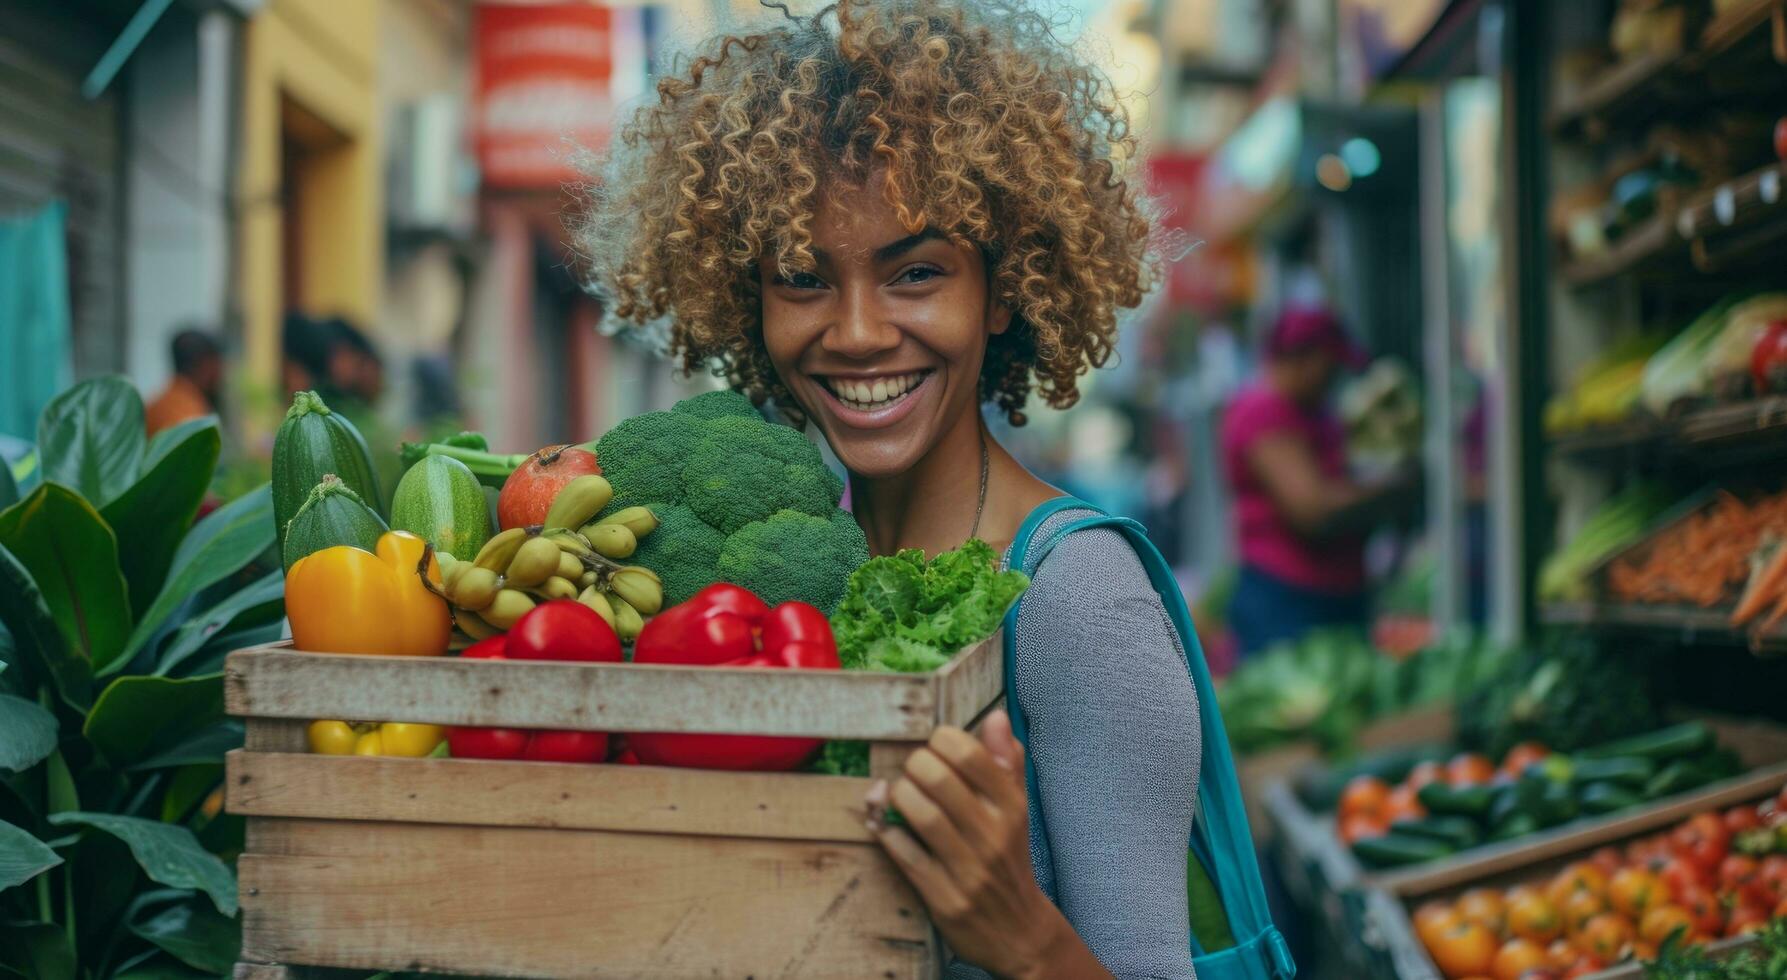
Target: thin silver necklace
x=981 y=504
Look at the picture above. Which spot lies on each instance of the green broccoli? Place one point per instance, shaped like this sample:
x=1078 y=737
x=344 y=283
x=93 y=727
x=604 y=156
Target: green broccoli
x=738 y=499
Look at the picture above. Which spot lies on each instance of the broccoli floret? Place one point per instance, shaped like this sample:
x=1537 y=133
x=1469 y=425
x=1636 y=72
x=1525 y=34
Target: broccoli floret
x=643 y=457
x=684 y=551
x=793 y=556
x=743 y=471
x=737 y=498
x=717 y=404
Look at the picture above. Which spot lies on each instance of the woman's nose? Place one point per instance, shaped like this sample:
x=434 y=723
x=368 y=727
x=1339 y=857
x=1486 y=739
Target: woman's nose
x=862 y=328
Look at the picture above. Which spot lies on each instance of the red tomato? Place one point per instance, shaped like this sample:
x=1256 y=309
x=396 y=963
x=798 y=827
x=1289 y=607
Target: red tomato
x=1523 y=755
x=1608 y=860
x=486 y=743
x=1746 y=918
x=1742 y=875
x=1773 y=872
x=563 y=629
x=1741 y=818
x=1781 y=138
x=1424 y=773
x=1681 y=875
x=1704 y=907
x=1703 y=840
x=557 y=746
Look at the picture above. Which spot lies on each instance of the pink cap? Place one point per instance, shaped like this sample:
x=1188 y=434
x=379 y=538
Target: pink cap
x=1313 y=328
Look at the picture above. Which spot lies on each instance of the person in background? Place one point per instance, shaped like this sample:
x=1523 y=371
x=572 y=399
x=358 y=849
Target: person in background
x=355 y=367
x=304 y=346
x=197 y=385
x=1300 y=518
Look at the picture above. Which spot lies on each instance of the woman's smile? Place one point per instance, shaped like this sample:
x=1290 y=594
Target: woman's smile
x=874 y=401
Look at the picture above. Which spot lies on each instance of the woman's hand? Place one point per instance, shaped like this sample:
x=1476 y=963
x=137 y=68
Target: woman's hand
x=964 y=798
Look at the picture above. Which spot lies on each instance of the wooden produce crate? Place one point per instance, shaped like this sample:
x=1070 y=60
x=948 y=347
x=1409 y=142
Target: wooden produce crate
x=1349 y=899
x=1389 y=930
x=534 y=869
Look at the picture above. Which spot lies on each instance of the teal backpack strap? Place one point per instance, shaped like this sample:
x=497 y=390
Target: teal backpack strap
x=1221 y=841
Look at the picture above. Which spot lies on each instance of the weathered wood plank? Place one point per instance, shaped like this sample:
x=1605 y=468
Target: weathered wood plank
x=644 y=799
x=276 y=735
x=970 y=681
x=609 y=697
x=558 y=903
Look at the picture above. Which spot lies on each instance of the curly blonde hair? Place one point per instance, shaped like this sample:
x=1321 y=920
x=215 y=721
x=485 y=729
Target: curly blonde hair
x=977 y=118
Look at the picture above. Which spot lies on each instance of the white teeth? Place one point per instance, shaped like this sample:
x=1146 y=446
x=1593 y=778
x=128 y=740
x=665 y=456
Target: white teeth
x=878 y=393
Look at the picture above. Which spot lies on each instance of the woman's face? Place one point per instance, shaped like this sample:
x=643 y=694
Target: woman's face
x=882 y=341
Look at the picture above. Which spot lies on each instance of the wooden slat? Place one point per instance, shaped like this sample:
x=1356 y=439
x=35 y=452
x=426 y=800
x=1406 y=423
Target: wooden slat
x=560 y=903
x=971 y=680
x=277 y=683
x=644 y=799
x=276 y=735
x=1576 y=837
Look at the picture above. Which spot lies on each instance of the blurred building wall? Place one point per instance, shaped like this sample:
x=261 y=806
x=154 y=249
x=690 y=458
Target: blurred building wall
x=311 y=220
x=177 y=89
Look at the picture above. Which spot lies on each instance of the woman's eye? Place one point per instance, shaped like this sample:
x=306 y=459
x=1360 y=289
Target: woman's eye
x=917 y=274
x=801 y=280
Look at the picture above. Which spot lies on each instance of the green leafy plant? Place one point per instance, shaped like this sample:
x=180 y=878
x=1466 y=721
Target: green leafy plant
x=116 y=610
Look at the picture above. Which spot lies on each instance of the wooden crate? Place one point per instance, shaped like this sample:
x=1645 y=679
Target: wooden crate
x=550 y=870
x=1352 y=901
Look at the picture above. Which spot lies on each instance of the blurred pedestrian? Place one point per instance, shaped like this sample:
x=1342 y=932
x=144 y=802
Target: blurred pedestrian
x=197 y=385
x=304 y=349
x=1300 y=517
x=354 y=365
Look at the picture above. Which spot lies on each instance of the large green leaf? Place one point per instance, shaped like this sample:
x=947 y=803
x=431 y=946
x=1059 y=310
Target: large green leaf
x=164 y=442
x=72 y=554
x=194 y=933
x=168 y=853
x=90 y=438
x=27 y=733
x=227 y=539
x=265 y=597
x=39 y=642
x=189 y=788
x=153 y=515
x=9 y=487
x=208 y=744
x=22 y=856
x=137 y=716
x=39 y=950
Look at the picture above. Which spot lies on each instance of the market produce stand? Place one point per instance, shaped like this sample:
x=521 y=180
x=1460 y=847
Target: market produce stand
x=544 y=870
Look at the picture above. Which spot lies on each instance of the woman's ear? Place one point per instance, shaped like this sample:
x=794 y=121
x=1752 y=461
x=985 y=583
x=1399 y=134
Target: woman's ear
x=998 y=318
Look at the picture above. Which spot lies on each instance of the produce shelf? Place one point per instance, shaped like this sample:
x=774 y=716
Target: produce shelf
x=1737 y=25
x=1688 y=624
x=1738 y=221
x=1622 y=91
x=1747 y=432
x=1652 y=240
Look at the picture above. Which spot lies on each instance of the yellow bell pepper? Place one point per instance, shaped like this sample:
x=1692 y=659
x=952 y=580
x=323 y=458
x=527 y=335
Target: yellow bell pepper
x=348 y=600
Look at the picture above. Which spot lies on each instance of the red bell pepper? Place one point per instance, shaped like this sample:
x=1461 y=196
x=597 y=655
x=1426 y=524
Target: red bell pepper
x=558 y=630
x=726 y=626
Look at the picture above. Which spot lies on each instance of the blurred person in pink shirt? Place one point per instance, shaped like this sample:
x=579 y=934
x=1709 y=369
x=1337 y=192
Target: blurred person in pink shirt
x=1300 y=518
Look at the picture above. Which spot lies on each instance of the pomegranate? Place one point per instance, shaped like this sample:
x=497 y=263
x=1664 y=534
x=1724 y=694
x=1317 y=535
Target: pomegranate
x=1768 y=359
x=527 y=493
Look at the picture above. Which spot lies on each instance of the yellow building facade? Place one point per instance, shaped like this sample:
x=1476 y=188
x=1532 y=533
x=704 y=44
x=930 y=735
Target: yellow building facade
x=310 y=210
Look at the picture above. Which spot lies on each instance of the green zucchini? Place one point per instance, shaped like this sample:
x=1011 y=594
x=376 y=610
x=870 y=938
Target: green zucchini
x=1517 y=825
x=1599 y=798
x=1558 y=805
x=330 y=516
x=1627 y=770
x=1459 y=832
x=1676 y=777
x=439 y=499
x=311 y=442
x=1395 y=849
x=1674 y=742
x=1462 y=801
x=1505 y=804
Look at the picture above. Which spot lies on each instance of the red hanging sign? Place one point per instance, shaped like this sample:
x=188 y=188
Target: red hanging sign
x=543 y=90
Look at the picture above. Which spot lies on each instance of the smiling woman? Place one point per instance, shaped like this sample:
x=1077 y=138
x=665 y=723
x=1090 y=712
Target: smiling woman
x=886 y=218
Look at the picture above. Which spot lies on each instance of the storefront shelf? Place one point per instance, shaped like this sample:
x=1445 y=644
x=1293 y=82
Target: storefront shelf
x=1688 y=624
x=1750 y=432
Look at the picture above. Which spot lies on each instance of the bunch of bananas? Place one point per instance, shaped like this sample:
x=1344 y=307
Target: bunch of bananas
x=568 y=557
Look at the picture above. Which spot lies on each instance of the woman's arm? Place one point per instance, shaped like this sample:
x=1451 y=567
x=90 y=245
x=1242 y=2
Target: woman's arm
x=1114 y=736
x=964 y=797
x=1313 y=503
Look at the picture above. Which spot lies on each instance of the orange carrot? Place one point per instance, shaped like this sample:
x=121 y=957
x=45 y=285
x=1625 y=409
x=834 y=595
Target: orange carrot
x=1768 y=583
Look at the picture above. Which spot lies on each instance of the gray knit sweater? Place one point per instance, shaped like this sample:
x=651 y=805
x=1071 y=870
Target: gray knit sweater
x=1114 y=736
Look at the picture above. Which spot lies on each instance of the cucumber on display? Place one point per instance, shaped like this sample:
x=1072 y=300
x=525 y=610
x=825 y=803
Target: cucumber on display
x=1600 y=798
x=1627 y=770
x=1458 y=832
x=440 y=500
x=1676 y=741
x=1395 y=849
x=1463 y=801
